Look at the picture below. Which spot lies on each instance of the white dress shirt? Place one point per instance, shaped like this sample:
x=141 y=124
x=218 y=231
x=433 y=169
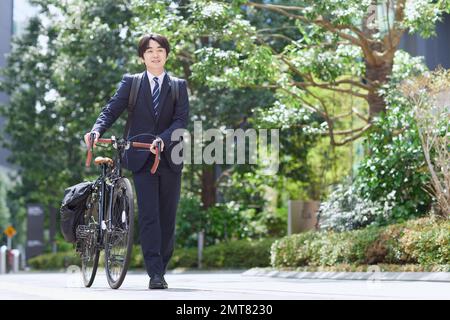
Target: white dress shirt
x=152 y=82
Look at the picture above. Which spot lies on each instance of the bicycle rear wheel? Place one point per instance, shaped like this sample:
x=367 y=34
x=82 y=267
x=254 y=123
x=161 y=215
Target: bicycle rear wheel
x=87 y=233
x=119 y=238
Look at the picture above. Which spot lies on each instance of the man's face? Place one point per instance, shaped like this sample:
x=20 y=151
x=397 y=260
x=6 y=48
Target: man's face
x=155 y=56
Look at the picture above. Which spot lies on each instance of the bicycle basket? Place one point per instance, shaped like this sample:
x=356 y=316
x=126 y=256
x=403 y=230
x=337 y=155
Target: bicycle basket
x=72 y=208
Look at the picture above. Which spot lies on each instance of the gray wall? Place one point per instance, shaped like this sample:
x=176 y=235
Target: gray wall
x=436 y=49
x=6 y=23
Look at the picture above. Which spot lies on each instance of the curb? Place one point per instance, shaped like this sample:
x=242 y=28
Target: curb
x=374 y=276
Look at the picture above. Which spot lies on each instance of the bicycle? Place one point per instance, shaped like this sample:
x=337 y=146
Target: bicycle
x=108 y=220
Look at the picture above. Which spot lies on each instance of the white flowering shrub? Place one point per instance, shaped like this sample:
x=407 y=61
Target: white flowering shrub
x=389 y=186
x=395 y=160
x=346 y=210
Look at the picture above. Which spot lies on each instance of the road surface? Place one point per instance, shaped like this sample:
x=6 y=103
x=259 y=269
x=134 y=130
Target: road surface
x=212 y=286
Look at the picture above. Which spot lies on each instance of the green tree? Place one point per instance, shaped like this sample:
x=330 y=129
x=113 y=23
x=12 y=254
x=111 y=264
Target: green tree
x=63 y=69
x=339 y=46
x=215 y=107
x=60 y=73
x=4 y=210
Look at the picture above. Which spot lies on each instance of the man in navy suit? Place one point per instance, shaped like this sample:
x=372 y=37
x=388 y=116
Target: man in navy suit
x=155 y=114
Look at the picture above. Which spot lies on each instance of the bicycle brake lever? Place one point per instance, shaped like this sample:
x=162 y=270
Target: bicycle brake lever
x=90 y=149
x=91 y=142
x=158 y=145
x=157 y=157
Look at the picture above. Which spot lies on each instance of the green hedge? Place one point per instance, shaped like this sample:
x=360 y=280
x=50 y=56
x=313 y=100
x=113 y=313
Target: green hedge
x=238 y=254
x=234 y=254
x=58 y=260
x=423 y=241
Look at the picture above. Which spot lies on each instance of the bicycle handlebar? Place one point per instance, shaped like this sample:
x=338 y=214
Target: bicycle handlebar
x=139 y=145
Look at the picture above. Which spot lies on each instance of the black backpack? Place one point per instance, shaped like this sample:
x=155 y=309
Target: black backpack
x=72 y=209
x=135 y=85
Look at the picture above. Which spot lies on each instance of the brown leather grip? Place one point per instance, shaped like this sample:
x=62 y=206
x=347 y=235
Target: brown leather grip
x=156 y=163
x=141 y=145
x=148 y=146
x=88 y=157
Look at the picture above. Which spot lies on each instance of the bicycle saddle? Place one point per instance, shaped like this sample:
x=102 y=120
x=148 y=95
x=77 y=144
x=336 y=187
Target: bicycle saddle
x=101 y=160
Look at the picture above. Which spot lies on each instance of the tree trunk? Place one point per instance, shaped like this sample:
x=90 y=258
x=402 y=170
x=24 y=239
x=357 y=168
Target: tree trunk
x=379 y=75
x=208 y=186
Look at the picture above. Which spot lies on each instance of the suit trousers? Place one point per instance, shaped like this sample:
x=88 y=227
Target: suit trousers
x=157 y=197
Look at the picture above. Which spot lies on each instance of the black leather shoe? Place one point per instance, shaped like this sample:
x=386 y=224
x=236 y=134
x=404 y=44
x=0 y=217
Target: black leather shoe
x=166 y=286
x=157 y=281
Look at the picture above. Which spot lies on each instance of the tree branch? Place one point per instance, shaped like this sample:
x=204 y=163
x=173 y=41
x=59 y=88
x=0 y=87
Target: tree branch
x=359 y=115
x=341 y=116
x=293 y=68
x=328 y=86
x=361 y=40
x=346 y=132
x=392 y=39
x=352 y=138
x=278 y=35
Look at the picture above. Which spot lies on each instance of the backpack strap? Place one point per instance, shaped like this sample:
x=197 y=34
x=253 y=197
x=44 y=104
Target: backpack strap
x=135 y=85
x=175 y=89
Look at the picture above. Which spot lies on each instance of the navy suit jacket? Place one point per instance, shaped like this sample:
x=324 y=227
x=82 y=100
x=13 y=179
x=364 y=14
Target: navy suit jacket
x=144 y=122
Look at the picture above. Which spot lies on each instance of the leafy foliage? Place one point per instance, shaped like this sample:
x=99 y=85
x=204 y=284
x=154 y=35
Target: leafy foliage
x=224 y=222
x=4 y=210
x=60 y=73
x=424 y=241
x=233 y=254
x=395 y=164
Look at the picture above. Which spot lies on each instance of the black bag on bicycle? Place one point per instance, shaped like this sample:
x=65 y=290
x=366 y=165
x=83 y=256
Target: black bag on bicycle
x=72 y=209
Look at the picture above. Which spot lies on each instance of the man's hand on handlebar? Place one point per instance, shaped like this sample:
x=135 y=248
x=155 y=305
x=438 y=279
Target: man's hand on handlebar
x=155 y=144
x=87 y=136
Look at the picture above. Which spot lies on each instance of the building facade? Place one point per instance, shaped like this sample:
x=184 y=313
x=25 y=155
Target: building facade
x=436 y=50
x=6 y=31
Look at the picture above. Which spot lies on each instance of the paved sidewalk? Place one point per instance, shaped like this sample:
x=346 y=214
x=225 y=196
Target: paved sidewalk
x=214 y=286
x=374 y=275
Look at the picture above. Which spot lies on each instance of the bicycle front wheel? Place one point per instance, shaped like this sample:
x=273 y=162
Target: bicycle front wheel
x=87 y=233
x=119 y=237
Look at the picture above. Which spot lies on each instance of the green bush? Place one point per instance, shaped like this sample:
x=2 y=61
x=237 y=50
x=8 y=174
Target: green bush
x=394 y=171
x=232 y=254
x=51 y=261
x=425 y=241
x=225 y=222
x=189 y=221
x=238 y=254
x=184 y=258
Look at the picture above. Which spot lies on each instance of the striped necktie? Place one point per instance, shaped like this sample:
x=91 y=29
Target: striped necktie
x=155 y=96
